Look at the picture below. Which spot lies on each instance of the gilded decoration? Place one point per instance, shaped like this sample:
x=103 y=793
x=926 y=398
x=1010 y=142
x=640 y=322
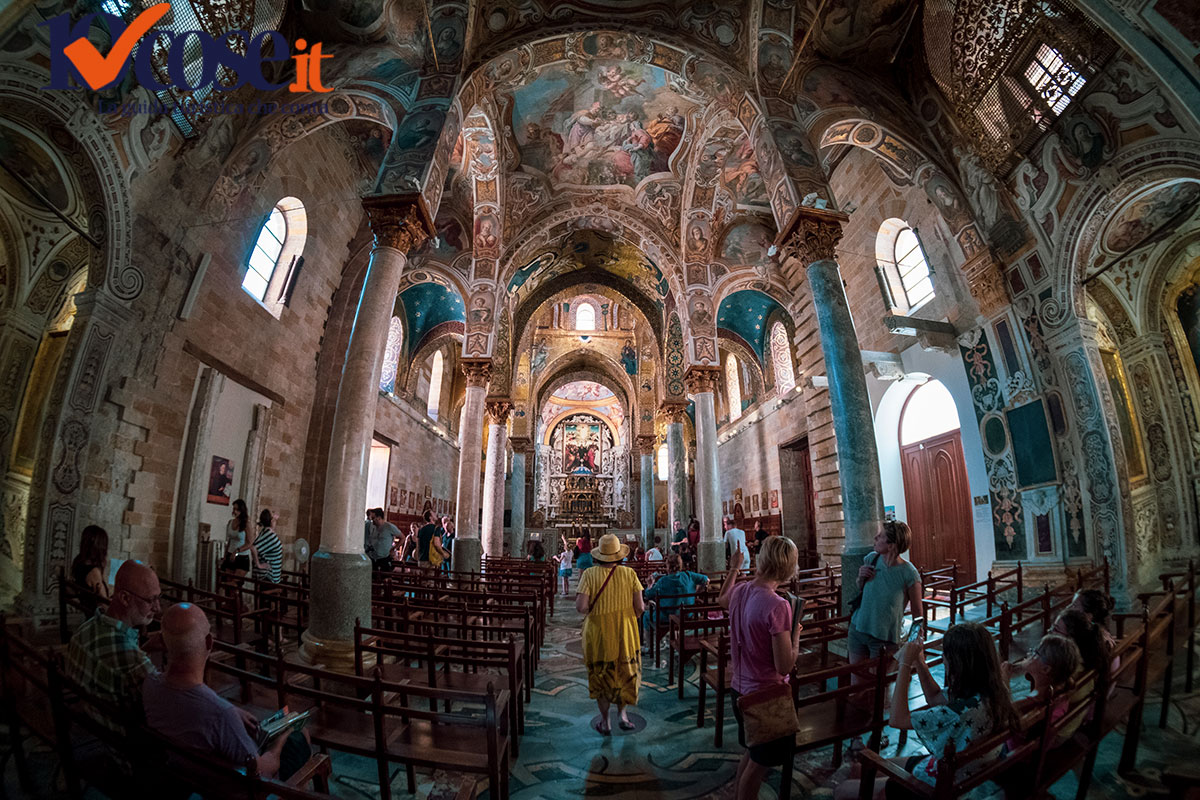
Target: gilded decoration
x=703 y=379
x=398 y=221
x=497 y=409
x=478 y=372
x=671 y=413
x=646 y=445
x=811 y=235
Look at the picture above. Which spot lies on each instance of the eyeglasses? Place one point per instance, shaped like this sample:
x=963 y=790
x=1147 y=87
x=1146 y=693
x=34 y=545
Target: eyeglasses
x=150 y=601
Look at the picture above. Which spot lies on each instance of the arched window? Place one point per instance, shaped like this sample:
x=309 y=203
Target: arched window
x=273 y=264
x=909 y=258
x=930 y=411
x=733 y=383
x=663 y=465
x=781 y=360
x=585 y=317
x=435 y=385
x=391 y=356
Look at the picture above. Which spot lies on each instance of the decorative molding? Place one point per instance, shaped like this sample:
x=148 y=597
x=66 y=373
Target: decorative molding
x=646 y=445
x=497 y=409
x=702 y=379
x=398 y=221
x=811 y=235
x=478 y=372
x=672 y=413
x=987 y=284
x=521 y=444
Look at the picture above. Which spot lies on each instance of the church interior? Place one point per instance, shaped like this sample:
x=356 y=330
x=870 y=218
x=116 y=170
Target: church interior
x=550 y=275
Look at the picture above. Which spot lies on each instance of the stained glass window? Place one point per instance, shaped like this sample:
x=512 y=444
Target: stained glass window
x=733 y=383
x=781 y=359
x=391 y=356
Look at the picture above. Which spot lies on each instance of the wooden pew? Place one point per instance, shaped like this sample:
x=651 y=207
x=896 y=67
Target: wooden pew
x=689 y=626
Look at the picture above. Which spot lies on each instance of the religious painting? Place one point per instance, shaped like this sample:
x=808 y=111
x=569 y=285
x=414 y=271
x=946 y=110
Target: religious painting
x=774 y=57
x=606 y=45
x=448 y=35
x=220 y=479
x=737 y=495
x=615 y=123
x=754 y=502
x=740 y=175
x=696 y=242
x=417 y=137
x=944 y=196
x=1148 y=214
x=1083 y=139
x=428 y=491
x=393 y=498
x=725 y=508
x=581 y=448
x=747 y=243
x=403 y=498
x=30 y=173
x=765 y=496
x=629 y=358
x=774 y=498
x=480 y=314
x=487 y=233
x=794 y=147
x=700 y=310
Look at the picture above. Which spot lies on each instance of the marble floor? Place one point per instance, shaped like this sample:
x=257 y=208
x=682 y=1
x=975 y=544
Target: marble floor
x=563 y=758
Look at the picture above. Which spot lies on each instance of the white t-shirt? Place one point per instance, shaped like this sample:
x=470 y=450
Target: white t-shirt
x=564 y=559
x=654 y=554
x=735 y=538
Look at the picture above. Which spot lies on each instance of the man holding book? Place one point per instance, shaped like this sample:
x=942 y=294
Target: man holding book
x=182 y=708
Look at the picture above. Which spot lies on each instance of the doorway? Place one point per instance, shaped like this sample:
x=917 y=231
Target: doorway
x=937 y=495
x=798 y=503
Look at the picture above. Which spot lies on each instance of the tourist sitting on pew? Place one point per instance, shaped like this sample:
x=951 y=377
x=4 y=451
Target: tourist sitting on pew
x=537 y=553
x=888 y=583
x=89 y=567
x=267 y=550
x=1088 y=637
x=679 y=539
x=677 y=581
x=764 y=637
x=1098 y=606
x=974 y=705
x=1050 y=666
x=103 y=656
x=181 y=707
x=655 y=553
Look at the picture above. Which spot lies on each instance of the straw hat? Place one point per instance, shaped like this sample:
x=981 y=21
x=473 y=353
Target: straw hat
x=609 y=549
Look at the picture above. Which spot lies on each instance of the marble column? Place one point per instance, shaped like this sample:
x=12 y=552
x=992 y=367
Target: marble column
x=467 y=548
x=493 y=481
x=516 y=494
x=676 y=469
x=646 y=448
x=811 y=237
x=702 y=383
x=340 y=571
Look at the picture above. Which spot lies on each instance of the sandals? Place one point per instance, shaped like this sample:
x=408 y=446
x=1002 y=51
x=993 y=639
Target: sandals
x=625 y=725
x=602 y=731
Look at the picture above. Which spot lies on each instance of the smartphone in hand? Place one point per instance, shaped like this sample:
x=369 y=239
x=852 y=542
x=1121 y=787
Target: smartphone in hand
x=917 y=631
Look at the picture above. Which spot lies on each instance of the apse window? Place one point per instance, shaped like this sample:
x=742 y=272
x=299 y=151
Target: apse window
x=663 y=464
x=1055 y=81
x=913 y=269
x=733 y=381
x=275 y=261
x=585 y=317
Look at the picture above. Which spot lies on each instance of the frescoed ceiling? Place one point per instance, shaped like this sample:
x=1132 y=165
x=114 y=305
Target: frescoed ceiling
x=590 y=249
x=584 y=396
x=745 y=314
x=426 y=306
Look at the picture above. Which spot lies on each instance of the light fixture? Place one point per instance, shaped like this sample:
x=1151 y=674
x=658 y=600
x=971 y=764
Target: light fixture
x=584 y=339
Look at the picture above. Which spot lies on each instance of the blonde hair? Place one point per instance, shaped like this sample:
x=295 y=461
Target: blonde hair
x=898 y=533
x=777 y=560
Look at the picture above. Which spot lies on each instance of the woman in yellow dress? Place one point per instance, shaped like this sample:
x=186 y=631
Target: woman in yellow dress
x=610 y=598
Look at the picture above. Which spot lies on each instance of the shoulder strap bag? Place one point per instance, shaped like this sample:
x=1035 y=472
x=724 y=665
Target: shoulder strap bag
x=592 y=602
x=768 y=714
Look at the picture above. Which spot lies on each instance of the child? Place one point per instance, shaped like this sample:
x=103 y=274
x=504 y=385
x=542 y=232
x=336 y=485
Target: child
x=563 y=560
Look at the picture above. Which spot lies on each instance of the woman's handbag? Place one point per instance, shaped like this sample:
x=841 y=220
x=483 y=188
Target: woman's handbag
x=768 y=714
x=435 y=556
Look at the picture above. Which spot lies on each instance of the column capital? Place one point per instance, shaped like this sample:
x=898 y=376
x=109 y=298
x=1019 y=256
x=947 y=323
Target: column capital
x=398 y=220
x=702 y=379
x=478 y=372
x=671 y=413
x=521 y=444
x=811 y=235
x=646 y=445
x=497 y=409
x=986 y=282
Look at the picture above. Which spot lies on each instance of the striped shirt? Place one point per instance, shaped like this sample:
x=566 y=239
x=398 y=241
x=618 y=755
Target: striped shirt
x=270 y=550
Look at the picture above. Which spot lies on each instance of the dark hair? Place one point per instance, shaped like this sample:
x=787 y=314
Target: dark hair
x=264 y=518
x=378 y=512
x=973 y=668
x=1078 y=626
x=93 y=547
x=657 y=539
x=1095 y=603
x=427 y=515
x=674 y=563
x=241 y=514
x=539 y=552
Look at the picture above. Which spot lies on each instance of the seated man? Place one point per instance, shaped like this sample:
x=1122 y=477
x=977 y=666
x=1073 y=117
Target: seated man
x=182 y=708
x=677 y=581
x=103 y=656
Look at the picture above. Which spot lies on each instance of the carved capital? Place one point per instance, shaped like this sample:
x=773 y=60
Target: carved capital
x=478 y=372
x=497 y=409
x=646 y=445
x=399 y=221
x=702 y=379
x=810 y=235
x=671 y=413
x=987 y=283
x=521 y=444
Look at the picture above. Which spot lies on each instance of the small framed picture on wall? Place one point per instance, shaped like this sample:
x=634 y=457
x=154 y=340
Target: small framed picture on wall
x=220 y=478
x=754 y=502
x=774 y=498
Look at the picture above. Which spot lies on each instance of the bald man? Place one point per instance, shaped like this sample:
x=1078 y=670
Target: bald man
x=181 y=707
x=104 y=656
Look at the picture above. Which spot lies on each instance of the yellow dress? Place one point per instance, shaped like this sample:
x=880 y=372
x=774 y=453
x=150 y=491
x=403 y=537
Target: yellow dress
x=611 y=642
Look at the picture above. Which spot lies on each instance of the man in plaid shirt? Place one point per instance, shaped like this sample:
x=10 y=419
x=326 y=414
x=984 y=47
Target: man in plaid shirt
x=104 y=656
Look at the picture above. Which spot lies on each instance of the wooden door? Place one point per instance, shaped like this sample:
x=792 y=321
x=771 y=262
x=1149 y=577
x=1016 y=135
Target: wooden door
x=938 y=499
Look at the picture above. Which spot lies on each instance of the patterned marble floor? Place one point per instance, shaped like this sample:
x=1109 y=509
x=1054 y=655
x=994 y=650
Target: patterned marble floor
x=563 y=758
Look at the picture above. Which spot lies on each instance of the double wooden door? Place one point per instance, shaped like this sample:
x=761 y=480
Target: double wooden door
x=938 y=500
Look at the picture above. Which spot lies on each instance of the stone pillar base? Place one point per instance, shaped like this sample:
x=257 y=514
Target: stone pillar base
x=341 y=593
x=711 y=558
x=468 y=555
x=851 y=561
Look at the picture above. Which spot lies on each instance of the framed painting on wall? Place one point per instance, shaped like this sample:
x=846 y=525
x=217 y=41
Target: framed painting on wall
x=220 y=478
x=774 y=498
x=581 y=448
x=754 y=502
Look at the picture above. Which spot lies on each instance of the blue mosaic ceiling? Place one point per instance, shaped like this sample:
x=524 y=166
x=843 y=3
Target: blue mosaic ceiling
x=745 y=313
x=426 y=306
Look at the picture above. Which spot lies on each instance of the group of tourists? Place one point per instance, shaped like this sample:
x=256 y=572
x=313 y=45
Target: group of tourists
x=427 y=545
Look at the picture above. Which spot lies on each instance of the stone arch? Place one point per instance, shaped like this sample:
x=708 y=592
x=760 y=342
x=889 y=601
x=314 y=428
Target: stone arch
x=734 y=344
x=445 y=340
x=595 y=367
x=587 y=275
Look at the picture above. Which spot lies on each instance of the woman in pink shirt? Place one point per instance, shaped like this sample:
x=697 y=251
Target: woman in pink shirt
x=764 y=642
